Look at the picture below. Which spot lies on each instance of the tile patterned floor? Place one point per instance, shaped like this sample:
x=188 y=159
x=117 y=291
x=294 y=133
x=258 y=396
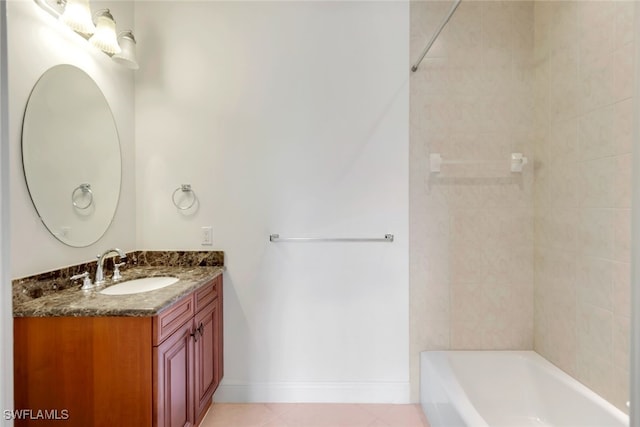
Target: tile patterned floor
x=313 y=415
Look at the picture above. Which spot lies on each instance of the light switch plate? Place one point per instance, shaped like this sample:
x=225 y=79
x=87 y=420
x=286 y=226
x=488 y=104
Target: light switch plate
x=207 y=236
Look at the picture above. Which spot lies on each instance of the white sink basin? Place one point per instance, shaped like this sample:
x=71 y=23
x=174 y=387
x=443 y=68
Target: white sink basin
x=139 y=285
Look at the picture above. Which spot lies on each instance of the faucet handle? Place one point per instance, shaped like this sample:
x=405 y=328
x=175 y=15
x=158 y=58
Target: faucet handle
x=86 y=282
x=116 y=271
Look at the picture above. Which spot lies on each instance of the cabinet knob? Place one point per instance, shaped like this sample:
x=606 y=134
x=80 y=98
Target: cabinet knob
x=197 y=332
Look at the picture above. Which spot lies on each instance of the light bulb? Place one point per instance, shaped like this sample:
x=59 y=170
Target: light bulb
x=127 y=56
x=77 y=16
x=105 y=36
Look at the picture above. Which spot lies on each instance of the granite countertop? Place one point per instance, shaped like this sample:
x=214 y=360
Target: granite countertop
x=73 y=302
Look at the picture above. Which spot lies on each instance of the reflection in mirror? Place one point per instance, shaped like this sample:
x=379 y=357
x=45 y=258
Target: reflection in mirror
x=71 y=156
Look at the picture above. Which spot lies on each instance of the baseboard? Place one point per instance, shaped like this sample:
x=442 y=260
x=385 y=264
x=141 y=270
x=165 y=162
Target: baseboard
x=313 y=392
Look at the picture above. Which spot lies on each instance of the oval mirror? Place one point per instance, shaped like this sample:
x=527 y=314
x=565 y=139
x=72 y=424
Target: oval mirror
x=71 y=155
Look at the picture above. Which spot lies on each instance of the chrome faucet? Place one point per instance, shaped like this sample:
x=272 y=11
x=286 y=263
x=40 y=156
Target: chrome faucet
x=100 y=270
x=86 y=282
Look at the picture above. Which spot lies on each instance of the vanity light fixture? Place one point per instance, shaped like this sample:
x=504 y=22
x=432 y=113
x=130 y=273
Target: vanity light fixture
x=76 y=14
x=127 y=56
x=105 y=36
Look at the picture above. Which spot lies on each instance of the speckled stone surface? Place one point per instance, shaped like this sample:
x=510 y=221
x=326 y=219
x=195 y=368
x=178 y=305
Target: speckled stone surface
x=179 y=258
x=53 y=294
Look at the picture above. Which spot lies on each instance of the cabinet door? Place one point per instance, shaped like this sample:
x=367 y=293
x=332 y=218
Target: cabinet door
x=206 y=356
x=173 y=370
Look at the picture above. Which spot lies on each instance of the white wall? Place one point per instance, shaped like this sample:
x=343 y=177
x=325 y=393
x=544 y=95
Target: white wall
x=36 y=42
x=290 y=118
x=6 y=320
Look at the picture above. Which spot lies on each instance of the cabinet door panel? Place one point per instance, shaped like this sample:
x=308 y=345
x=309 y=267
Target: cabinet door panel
x=206 y=357
x=173 y=369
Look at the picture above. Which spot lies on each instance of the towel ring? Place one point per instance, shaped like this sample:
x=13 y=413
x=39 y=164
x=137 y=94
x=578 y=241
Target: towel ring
x=185 y=188
x=86 y=189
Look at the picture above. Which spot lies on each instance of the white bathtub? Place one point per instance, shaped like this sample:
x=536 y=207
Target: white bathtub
x=507 y=388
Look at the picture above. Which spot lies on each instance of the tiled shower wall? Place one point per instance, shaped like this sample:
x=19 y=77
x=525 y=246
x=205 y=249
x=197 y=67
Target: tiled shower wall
x=471 y=254
x=553 y=80
x=584 y=54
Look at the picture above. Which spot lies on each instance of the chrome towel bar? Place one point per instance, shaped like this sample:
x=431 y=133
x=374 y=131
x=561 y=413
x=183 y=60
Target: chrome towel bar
x=276 y=238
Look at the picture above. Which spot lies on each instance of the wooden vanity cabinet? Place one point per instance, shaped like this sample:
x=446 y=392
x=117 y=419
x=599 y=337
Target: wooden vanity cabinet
x=97 y=369
x=187 y=368
x=205 y=372
x=156 y=371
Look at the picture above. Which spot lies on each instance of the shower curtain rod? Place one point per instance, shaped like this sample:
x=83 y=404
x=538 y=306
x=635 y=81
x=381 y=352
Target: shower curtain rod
x=414 y=68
